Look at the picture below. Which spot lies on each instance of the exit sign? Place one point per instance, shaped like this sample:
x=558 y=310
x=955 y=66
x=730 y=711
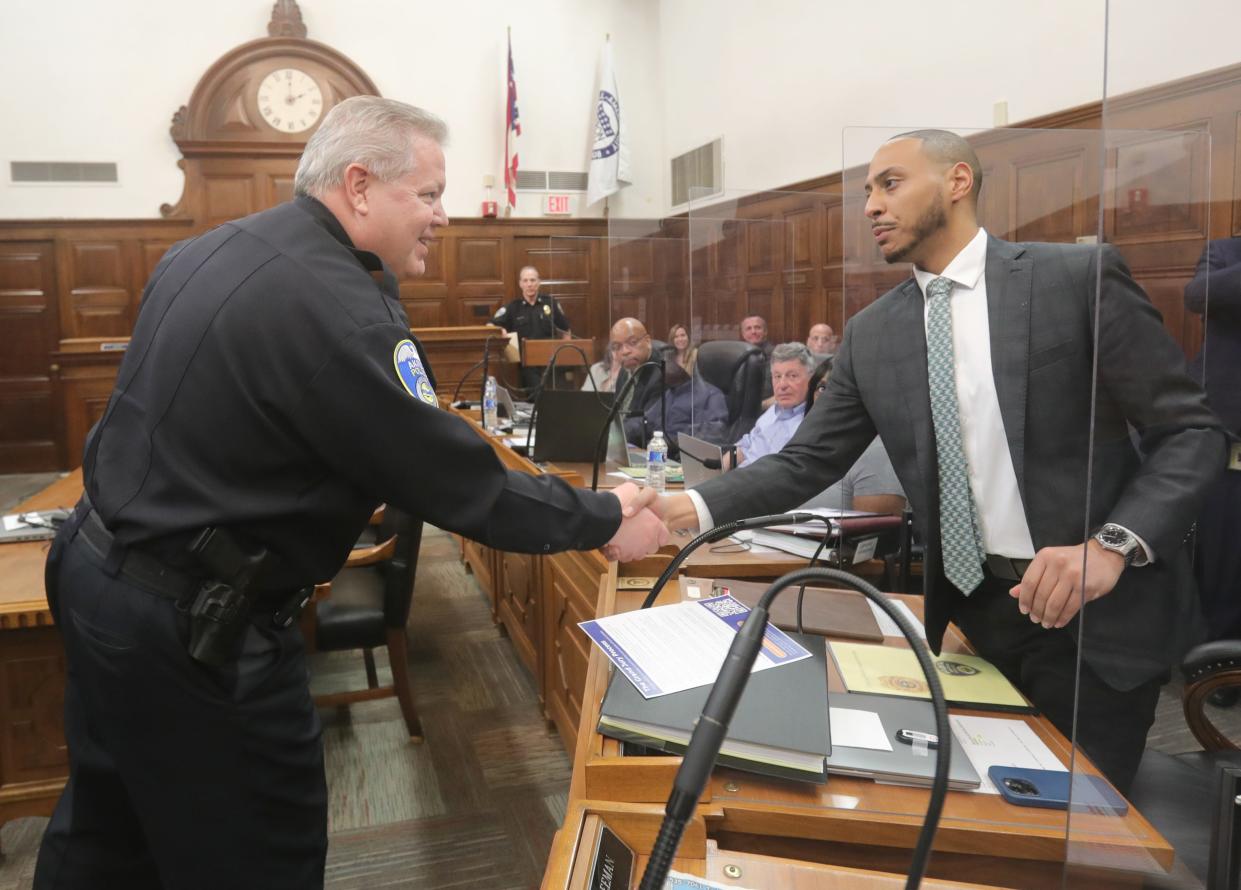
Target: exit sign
x=557 y=205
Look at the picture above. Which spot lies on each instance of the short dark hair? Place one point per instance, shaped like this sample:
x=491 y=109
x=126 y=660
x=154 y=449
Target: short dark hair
x=821 y=373
x=948 y=148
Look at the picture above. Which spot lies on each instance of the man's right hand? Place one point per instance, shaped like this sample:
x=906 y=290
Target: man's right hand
x=678 y=512
x=638 y=536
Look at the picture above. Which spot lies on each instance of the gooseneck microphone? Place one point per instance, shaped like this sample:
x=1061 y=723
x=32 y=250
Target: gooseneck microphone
x=711 y=535
x=607 y=423
x=483 y=362
x=712 y=726
x=549 y=375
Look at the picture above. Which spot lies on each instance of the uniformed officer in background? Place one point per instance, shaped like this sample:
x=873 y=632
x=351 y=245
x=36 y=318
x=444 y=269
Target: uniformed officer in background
x=270 y=399
x=532 y=316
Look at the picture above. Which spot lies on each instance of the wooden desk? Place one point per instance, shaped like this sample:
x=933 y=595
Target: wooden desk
x=539 y=600
x=568 y=866
x=857 y=822
x=34 y=762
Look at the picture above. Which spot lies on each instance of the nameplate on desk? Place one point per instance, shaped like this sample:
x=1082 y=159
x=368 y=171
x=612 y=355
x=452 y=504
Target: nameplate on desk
x=113 y=347
x=613 y=866
x=635 y=582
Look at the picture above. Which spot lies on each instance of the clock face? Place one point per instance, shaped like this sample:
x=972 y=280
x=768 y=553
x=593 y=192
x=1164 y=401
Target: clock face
x=290 y=100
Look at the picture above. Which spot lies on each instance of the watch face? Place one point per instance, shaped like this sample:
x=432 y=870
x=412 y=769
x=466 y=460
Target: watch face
x=290 y=100
x=1114 y=536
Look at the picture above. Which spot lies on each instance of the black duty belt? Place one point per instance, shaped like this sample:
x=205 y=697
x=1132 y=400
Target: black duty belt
x=1005 y=568
x=146 y=571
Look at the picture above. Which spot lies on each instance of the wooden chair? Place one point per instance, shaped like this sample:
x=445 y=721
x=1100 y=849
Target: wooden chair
x=1189 y=797
x=367 y=605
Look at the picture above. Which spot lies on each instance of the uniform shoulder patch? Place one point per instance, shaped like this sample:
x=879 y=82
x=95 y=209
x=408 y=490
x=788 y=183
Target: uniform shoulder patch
x=411 y=373
x=547 y=309
x=503 y=310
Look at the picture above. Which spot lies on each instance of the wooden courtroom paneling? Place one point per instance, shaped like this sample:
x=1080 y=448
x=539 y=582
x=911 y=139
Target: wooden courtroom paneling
x=101 y=298
x=28 y=333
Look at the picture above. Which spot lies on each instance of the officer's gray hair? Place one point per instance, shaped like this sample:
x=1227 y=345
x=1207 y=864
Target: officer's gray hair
x=793 y=352
x=366 y=130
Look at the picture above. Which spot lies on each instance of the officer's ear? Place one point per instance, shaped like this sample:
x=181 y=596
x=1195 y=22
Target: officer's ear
x=357 y=182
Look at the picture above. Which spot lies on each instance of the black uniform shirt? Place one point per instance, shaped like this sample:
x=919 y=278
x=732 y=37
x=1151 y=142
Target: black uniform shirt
x=272 y=387
x=541 y=320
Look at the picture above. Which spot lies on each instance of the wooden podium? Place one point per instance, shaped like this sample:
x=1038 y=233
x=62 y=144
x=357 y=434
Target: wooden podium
x=578 y=852
x=538 y=353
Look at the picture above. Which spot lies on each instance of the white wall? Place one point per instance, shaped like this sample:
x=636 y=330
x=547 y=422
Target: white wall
x=91 y=81
x=782 y=79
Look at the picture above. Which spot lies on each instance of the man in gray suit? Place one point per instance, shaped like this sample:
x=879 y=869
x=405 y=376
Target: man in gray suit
x=977 y=375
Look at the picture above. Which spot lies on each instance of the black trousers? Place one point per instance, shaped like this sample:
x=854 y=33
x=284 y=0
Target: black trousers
x=1111 y=725
x=180 y=776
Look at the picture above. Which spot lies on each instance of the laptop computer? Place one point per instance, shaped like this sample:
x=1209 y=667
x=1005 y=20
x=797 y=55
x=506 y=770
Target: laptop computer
x=700 y=459
x=567 y=425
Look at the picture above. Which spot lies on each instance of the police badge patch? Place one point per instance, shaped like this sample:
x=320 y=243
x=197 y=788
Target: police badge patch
x=503 y=309
x=410 y=372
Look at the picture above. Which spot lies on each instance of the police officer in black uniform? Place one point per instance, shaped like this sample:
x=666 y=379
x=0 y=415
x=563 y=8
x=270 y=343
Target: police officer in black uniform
x=270 y=398
x=532 y=316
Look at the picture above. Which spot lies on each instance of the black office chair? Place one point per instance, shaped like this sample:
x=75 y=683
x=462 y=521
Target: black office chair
x=367 y=605
x=737 y=369
x=1190 y=798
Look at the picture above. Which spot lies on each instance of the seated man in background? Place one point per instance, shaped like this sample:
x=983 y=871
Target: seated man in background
x=822 y=341
x=685 y=404
x=791 y=367
x=629 y=347
x=754 y=332
x=870 y=484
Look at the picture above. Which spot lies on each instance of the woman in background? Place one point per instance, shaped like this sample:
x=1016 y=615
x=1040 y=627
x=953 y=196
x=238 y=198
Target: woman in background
x=686 y=353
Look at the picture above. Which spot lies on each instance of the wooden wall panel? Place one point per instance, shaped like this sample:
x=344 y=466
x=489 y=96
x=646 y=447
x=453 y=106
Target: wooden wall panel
x=228 y=196
x=101 y=295
x=93 y=273
x=1046 y=198
x=28 y=333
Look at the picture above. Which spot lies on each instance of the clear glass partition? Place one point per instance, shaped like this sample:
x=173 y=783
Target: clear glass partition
x=1169 y=214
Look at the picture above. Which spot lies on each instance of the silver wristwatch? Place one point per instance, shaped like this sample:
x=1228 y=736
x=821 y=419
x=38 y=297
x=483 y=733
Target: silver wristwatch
x=1118 y=539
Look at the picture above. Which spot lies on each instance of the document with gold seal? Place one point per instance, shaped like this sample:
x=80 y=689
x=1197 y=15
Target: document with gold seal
x=969 y=681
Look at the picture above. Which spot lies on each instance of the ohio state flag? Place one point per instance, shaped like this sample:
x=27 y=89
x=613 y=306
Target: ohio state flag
x=511 y=132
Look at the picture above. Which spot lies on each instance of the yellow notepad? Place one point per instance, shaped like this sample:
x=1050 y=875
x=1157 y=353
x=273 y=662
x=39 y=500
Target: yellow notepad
x=968 y=680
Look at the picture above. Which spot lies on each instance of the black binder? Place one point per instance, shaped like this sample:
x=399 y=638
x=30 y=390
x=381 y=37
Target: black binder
x=780 y=727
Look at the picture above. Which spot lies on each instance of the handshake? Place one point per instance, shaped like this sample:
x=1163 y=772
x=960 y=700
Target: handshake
x=642 y=530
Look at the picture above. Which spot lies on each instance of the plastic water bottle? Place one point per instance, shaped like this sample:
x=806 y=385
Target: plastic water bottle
x=656 y=461
x=490 y=423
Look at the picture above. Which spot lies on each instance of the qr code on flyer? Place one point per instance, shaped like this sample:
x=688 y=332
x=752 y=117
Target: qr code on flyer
x=725 y=606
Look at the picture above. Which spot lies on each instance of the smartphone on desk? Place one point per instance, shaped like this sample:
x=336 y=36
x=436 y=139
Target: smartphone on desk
x=1051 y=788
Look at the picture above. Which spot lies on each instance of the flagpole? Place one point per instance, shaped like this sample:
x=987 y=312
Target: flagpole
x=508 y=33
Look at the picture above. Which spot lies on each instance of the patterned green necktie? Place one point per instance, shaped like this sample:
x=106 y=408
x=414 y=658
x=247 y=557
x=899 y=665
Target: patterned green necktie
x=961 y=542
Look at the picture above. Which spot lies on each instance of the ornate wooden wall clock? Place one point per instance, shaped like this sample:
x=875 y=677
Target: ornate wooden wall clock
x=248 y=119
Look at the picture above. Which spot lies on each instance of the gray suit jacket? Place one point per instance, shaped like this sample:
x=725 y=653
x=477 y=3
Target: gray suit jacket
x=1041 y=308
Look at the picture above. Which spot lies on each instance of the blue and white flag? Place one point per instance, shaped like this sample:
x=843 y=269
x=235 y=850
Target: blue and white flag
x=609 y=155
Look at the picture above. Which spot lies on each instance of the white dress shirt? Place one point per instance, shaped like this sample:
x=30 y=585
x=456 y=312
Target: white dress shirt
x=993 y=481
